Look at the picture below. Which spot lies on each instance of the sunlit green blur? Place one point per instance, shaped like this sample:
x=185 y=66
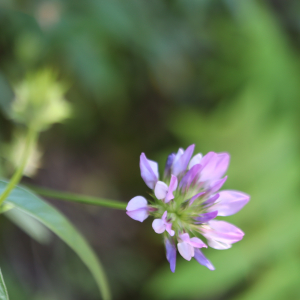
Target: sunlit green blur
x=152 y=76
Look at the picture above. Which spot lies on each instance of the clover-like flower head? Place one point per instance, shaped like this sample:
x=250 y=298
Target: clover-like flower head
x=187 y=202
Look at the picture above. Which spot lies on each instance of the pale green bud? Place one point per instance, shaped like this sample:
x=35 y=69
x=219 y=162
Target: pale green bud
x=39 y=100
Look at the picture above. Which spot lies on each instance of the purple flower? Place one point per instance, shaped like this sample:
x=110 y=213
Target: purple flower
x=161 y=225
x=187 y=202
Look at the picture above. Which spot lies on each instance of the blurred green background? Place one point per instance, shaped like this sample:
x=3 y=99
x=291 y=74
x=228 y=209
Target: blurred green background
x=152 y=76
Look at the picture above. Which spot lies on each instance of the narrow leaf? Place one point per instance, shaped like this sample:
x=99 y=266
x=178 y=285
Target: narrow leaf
x=29 y=225
x=34 y=206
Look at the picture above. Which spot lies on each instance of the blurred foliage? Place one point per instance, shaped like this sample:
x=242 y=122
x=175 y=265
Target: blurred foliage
x=150 y=76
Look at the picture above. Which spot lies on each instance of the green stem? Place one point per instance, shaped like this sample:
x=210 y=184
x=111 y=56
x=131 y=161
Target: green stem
x=30 y=139
x=79 y=198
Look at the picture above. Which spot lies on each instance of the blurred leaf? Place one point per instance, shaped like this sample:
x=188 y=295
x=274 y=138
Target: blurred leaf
x=283 y=275
x=3 y=291
x=29 y=225
x=35 y=207
x=7 y=95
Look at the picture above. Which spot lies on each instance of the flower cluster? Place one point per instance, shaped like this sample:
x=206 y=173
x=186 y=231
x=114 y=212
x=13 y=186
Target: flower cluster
x=187 y=202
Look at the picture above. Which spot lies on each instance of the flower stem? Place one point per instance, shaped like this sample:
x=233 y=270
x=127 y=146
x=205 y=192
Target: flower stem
x=30 y=140
x=78 y=198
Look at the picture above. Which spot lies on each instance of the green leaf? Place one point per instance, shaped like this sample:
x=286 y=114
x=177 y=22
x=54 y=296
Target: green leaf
x=37 y=208
x=29 y=225
x=3 y=290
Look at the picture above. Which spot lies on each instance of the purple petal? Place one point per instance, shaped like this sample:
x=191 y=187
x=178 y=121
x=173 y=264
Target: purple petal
x=195 y=160
x=161 y=190
x=204 y=218
x=171 y=253
x=140 y=214
x=172 y=188
x=216 y=185
x=202 y=260
x=186 y=250
x=136 y=203
x=211 y=200
x=158 y=226
x=182 y=162
x=149 y=171
x=190 y=177
x=230 y=202
x=196 y=197
x=169 y=164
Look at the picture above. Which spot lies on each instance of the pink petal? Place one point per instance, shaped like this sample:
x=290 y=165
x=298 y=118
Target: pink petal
x=159 y=226
x=139 y=214
x=136 y=203
x=195 y=160
x=230 y=202
x=184 y=237
x=149 y=171
x=223 y=232
x=218 y=245
x=201 y=259
x=164 y=216
x=171 y=189
x=222 y=165
x=161 y=190
x=197 y=243
x=209 y=162
x=223 y=226
x=186 y=250
x=214 y=166
x=169 y=229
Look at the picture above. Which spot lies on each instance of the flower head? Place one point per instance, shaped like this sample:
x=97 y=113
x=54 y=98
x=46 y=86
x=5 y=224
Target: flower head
x=187 y=202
